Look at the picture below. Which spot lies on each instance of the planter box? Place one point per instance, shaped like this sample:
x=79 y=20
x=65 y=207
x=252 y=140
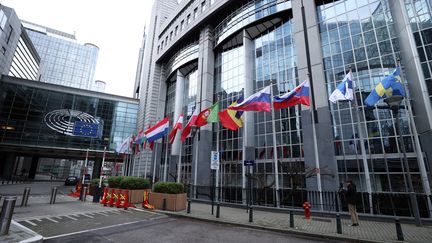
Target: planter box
x=135 y=196
x=174 y=202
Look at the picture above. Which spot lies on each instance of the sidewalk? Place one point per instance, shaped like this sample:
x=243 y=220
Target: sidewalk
x=322 y=227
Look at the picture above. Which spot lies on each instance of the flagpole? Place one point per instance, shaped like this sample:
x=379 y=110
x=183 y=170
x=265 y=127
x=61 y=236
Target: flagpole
x=418 y=150
x=154 y=163
x=217 y=151
x=315 y=145
x=276 y=169
x=363 y=149
x=166 y=160
x=242 y=163
x=103 y=161
x=85 y=166
x=179 y=165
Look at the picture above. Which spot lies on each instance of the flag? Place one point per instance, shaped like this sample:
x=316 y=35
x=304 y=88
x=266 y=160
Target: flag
x=177 y=126
x=139 y=139
x=208 y=115
x=157 y=131
x=123 y=147
x=344 y=91
x=187 y=128
x=299 y=95
x=389 y=86
x=85 y=129
x=231 y=119
x=259 y=101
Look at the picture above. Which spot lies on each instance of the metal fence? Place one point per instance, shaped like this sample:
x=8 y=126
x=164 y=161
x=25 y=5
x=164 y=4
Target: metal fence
x=383 y=203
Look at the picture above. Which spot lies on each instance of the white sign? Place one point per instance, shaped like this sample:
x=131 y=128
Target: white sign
x=214 y=163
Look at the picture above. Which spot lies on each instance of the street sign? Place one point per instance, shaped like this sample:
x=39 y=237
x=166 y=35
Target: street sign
x=214 y=162
x=249 y=163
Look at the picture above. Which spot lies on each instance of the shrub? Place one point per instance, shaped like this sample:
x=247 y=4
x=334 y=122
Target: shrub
x=134 y=183
x=114 y=181
x=95 y=182
x=169 y=187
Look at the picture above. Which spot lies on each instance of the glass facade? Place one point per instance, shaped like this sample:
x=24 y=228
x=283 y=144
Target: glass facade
x=24 y=64
x=360 y=34
x=420 y=17
x=31 y=116
x=64 y=61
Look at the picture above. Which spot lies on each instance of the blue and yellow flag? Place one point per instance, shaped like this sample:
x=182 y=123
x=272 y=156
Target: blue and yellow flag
x=389 y=86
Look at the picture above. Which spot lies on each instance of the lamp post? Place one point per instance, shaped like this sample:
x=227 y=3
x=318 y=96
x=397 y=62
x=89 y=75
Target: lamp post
x=393 y=103
x=194 y=130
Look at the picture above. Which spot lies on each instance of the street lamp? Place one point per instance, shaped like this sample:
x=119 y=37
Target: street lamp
x=393 y=103
x=194 y=131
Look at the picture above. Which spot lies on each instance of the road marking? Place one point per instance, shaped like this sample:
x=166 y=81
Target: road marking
x=102 y=213
x=116 y=211
x=39 y=220
x=106 y=227
x=30 y=222
x=59 y=217
x=88 y=216
x=70 y=217
x=147 y=211
x=55 y=221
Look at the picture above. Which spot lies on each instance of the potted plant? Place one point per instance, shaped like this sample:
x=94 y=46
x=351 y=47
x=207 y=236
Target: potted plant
x=172 y=192
x=134 y=185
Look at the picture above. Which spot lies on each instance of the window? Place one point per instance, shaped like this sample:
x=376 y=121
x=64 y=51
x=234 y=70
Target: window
x=195 y=12
x=158 y=49
x=10 y=34
x=188 y=19
x=171 y=34
x=166 y=40
x=211 y=2
x=203 y=6
x=3 y=19
x=162 y=45
x=176 y=30
x=182 y=25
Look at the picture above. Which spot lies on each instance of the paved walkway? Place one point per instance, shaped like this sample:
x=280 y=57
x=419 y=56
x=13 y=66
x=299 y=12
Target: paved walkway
x=323 y=227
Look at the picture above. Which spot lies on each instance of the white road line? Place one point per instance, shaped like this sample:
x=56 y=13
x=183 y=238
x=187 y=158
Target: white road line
x=30 y=222
x=102 y=213
x=39 y=220
x=116 y=211
x=147 y=211
x=70 y=217
x=88 y=216
x=55 y=221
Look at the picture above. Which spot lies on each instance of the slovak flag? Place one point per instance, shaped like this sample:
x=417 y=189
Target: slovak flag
x=177 y=126
x=260 y=101
x=299 y=95
x=344 y=91
x=157 y=131
x=187 y=128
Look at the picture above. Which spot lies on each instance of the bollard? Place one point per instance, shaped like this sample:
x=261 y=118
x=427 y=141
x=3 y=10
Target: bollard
x=250 y=214
x=6 y=214
x=164 y=204
x=25 y=197
x=399 y=232
x=338 y=224
x=218 y=210
x=189 y=206
x=96 y=194
x=84 y=193
x=53 y=195
x=291 y=219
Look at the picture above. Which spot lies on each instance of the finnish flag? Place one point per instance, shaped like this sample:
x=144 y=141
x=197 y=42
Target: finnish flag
x=344 y=91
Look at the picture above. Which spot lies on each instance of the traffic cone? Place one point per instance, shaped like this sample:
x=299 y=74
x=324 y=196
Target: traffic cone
x=119 y=198
x=111 y=201
x=126 y=204
x=104 y=198
x=145 y=203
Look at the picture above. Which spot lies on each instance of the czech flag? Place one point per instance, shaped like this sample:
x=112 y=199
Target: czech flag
x=157 y=131
x=177 y=126
x=187 y=128
x=299 y=95
x=259 y=101
x=231 y=119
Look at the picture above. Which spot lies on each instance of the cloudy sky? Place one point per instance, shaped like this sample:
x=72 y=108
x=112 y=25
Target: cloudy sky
x=116 y=27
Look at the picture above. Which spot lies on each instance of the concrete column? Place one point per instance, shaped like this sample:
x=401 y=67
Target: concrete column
x=326 y=156
x=8 y=162
x=249 y=117
x=33 y=167
x=97 y=167
x=178 y=108
x=201 y=165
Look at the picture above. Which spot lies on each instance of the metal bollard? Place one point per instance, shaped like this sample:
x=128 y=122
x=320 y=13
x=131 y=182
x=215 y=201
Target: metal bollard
x=399 y=232
x=338 y=224
x=6 y=214
x=250 y=214
x=53 y=195
x=84 y=194
x=25 y=197
x=189 y=206
x=218 y=210
x=164 y=204
x=291 y=219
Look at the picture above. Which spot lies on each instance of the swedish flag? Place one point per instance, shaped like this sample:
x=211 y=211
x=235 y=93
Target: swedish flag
x=389 y=86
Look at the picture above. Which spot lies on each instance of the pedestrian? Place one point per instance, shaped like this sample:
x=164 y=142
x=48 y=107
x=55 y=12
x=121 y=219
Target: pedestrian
x=350 y=197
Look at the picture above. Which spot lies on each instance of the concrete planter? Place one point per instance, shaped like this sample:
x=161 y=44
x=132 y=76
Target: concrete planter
x=174 y=202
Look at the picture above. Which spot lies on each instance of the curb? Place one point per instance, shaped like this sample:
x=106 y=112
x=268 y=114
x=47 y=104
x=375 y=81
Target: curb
x=36 y=238
x=285 y=231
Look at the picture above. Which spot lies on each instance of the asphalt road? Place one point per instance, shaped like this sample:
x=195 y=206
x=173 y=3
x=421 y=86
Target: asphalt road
x=168 y=229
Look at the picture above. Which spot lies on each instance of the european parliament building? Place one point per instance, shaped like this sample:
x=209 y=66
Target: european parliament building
x=198 y=52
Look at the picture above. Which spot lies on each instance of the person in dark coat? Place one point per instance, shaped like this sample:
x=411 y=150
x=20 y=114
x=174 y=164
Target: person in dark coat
x=350 y=197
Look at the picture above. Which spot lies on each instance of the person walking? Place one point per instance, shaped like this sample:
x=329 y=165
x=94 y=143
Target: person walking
x=350 y=196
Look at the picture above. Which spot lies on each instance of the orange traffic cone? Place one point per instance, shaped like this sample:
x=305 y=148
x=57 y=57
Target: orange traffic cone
x=104 y=198
x=145 y=203
x=111 y=201
x=126 y=204
x=119 y=198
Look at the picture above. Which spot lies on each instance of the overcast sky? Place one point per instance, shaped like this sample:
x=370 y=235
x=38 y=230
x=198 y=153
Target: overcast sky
x=116 y=27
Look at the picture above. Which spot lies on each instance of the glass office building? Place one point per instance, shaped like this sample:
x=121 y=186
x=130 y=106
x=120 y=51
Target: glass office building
x=64 y=60
x=229 y=49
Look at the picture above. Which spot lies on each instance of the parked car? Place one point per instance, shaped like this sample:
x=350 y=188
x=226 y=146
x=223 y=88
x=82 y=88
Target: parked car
x=71 y=181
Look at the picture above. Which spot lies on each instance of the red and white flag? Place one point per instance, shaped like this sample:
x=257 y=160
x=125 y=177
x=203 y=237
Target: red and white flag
x=177 y=126
x=187 y=128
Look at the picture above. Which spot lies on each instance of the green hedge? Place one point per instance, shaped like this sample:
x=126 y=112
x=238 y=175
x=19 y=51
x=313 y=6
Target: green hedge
x=169 y=187
x=128 y=182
